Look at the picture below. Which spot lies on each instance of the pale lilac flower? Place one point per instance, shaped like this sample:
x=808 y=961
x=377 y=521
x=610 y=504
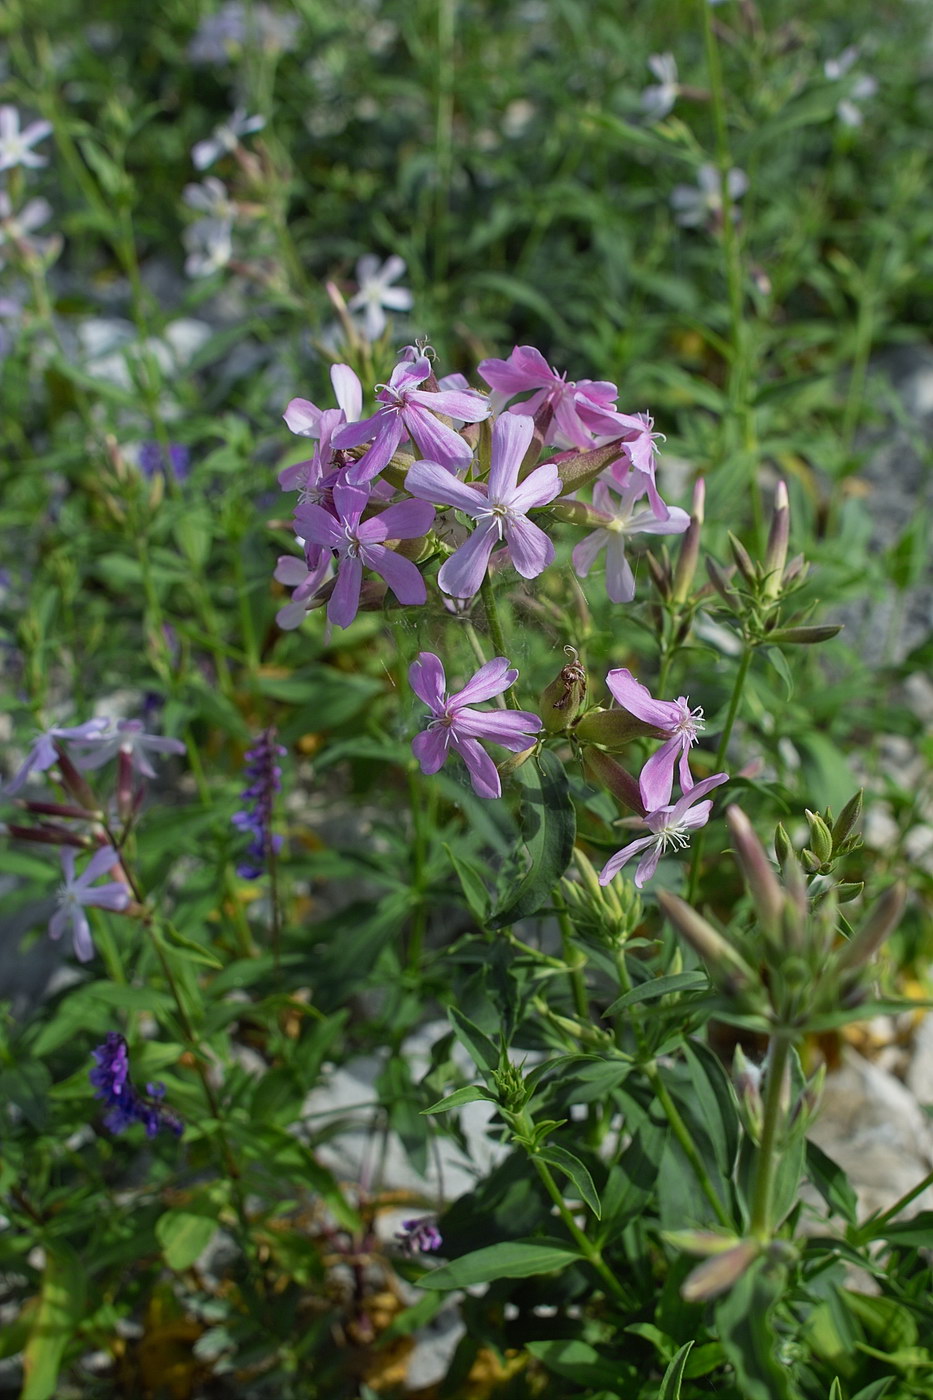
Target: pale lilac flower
x=209 y=245
x=701 y=203
x=223 y=36
x=129 y=739
x=305 y=419
x=658 y=99
x=376 y=293
x=77 y=893
x=43 y=754
x=674 y=718
x=226 y=138
x=358 y=542
x=623 y=518
x=848 y=110
x=408 y=410
x=670 y=826
x=499 y=507
x=304 y=577
x=576 y=410
x=638 y=451
x=17 y=229
x=455 y=725
x=15 y=145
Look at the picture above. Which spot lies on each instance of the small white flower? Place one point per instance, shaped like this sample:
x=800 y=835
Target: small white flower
x=658 y=99
x=375 y=293
x=701 y=203
x=15 y=145
x=209 y=244
x=226 y=137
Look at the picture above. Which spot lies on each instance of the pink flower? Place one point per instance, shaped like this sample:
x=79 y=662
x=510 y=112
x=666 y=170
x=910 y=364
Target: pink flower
x=44 y=754
x=576 y=410
x=410 y=411
x=455 y=725
x=623 y=519
x=305 y=419
x=499 y=508
x=673 y=718
x=77 y=893
x=669 y=825
x=358 y=542
x=304 y=580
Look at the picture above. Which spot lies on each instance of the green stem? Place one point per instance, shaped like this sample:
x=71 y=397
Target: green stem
x=734 y=701
x=766 y=1161
x=687 y=1145
x=591 y=1253
x=573 y=959
x=487 y=593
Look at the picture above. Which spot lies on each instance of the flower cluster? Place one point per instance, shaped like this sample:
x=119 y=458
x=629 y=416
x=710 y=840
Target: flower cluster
x=126 y=1105
x=420 y=1236
x=423 y=439
x=259 y=796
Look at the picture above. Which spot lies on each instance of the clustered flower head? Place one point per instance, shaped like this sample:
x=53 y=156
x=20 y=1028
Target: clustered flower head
x=126 y=1105
x=419 y=1236
x=259 y=797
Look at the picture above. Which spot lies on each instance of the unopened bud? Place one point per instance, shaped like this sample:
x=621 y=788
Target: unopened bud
x=690 y=545
x=716 y=1275
x=516 y=760
x=46 y=835
x=578 y=513
x=762 y=882
x=879 y=925
x=782 y=846
x=805 y=636
x=821 y=838
x=605 y=772
x=747 y=1080
x=75 y=781
x=798 y=568
x=743 y=560
x=720 y=956
x=660 y=571
x=721 y=579
x=576 y=469
x=563 y=700
x=613 y=729
x=846 y=821
x=776 y=551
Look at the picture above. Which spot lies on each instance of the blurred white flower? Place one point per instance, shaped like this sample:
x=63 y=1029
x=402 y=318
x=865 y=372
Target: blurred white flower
x=695 y=205
x=209 y=245
x=375 y=293
x=224 y=35
x=15 y=145
x=226 y=138
x=211 y=199
x=862 y=88
x=17 y=229
x=658 y=99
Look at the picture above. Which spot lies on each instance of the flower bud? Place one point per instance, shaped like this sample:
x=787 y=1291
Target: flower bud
x=516 y=760
x=577 y=513
x=603 y=771
x=845 y=822
x=821 y=838
x=721 y=579
x=776 y=551
x=743 y=561
x=563 y=700
x=660 y=571
x=613 y=729
x=762 y=882
x=747 y=1080
x=782 y=846
x=805 y=636
x=75 y=782
x=576 y=469
x=719 y=1273
x=881 y=922
x=690 y=545
x=721 y=958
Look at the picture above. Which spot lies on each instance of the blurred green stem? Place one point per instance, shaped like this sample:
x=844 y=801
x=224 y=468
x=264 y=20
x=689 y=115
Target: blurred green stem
x=487 y=593
x=761 y=1226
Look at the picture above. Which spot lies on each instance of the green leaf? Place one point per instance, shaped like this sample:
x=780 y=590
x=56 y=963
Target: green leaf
x=515 y=1259
x=572 y=1167
x=185 y=1231
x=876 y=1390
x=713 y=1097
x=916 y=1233
x=661 y=987
x=485 y=1055
x=748 y=1338
x=548 y=830
x=472 y=884
x=832 y=1183
x=577 y=1361
x=470 y=1094
x=60 y=1311
x=670 y=1381
x=776 y=658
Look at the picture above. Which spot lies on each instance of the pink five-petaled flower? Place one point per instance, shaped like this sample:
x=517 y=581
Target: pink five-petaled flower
x=78 y=892
x=499 y=508
x=409 y=411
x=455 y=725
x=622 y=519
x=576 y=410
x=129 y=739
x=44 y=754
x=670 y=825
x=357 y=542
x=674 y=718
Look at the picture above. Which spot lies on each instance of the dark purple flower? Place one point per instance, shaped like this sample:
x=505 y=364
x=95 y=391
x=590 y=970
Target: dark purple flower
x=419 y=1236
x=256 y=816
x=152 y=459
x=112 y=1083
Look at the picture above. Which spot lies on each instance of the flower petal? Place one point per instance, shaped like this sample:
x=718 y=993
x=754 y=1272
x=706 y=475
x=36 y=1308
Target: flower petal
x=513 y=729
x=399 y=573
x=615 y=863
x=539 y=487
x=431 y=481
x=483 y=773
x=529 y=547
x=431 y=748
x=511 y=437
x=303 y=417
x=348 y=391
x=462 y=574
x=492 y=679
x=427 y=679
x=345 y=599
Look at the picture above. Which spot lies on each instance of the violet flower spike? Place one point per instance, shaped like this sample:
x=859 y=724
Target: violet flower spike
x=129 y=739
x=670 y=826
x=44 y=755
x=77 y=893
x=499 y=508
x=409 y=411
x=576 y=409
x=259 y=797
x=358 y=542
x=111 y=1080
x=622 y=519
x=675 y=719
x=454 y=724
x=420 y=1236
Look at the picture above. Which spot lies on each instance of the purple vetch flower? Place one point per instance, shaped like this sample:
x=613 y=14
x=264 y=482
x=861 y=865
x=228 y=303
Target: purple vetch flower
x=622 y=519
x=420 y=1236
x=43 y=754
x=129 y=740
x=259 y=796
x=577 y=410
x=499 y=508
x=15 y=145
x=111 y=1080
x=375 y=293
x=357 y=542
x=454 y=724
x=226 y=137
x=79 y=892
x=407 y=411
x=670 y=825
x=152 y=459
x=673 y=718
